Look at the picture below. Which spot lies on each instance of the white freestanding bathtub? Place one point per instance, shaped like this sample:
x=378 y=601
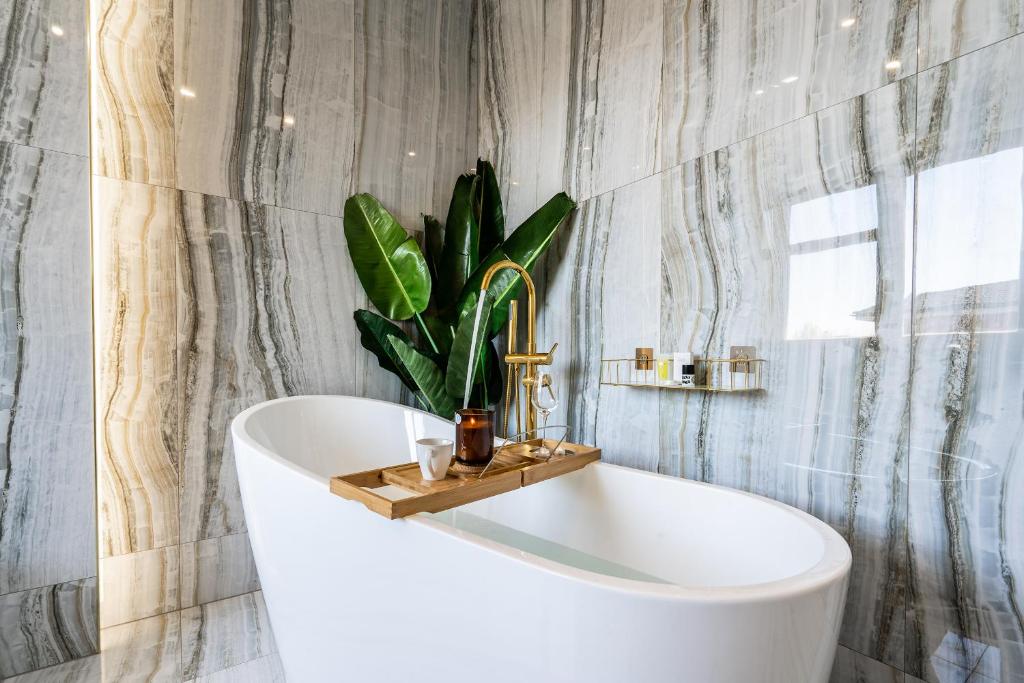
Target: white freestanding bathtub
x=606 y=574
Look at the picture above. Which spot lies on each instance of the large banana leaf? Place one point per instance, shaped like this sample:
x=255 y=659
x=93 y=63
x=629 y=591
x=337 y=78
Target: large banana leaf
x=375 y=333
x=524 y=246
x=388 y=261
x=428 y=378
x=434 y=232
x=441 y=332
x=492 y=217
x=465 y=359
x=461 y=251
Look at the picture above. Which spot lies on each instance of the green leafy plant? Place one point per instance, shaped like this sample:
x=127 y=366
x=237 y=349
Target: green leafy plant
x=438 y=291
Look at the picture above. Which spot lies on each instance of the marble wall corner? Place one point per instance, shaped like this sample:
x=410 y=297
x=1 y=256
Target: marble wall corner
x=135 y=228
x=223 y=634
x=853 y=667
x=44 y=626
x=43 y=101
x=133 y=91
x=46 y=526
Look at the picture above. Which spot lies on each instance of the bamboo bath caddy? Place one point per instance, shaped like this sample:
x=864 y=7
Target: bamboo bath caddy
x=513 y=467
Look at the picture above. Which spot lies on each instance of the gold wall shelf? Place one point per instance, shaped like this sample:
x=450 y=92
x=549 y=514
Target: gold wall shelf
x=725 y=375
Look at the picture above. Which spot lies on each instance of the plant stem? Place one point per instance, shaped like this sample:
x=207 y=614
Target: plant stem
x=426 y=333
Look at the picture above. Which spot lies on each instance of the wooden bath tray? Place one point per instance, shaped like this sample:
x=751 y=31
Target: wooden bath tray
x=513 y=468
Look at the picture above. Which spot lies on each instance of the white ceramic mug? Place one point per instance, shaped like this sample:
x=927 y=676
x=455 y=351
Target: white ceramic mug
x=434 y=456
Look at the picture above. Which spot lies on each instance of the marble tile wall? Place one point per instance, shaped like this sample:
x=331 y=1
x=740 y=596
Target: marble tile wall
x=768 y=175
x=48 y=605
x=226 y=138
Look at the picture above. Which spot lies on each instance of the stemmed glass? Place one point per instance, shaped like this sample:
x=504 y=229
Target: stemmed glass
x=544 y=400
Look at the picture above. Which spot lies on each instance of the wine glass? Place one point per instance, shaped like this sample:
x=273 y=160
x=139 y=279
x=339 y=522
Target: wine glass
x=544 y=400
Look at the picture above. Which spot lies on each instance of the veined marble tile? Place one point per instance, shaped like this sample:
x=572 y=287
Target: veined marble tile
x=45 y=626
x=132 y=81
x=414 y=91
x=47 y=520
x=267 y=109
x=266 y=297
x=950 y=28
x=139 y=585
x=732 y=70
x=853 y=667
x=222 y=634
x=263 y=670
x=43 y=64
x=82 y=670
x=966 y=514
x=144 y=650
x=805 y=259
x=524 y=84
x=217 y=568
x=600 y=298
x=135 y=232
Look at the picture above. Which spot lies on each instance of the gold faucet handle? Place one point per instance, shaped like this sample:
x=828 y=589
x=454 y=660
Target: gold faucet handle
x=532 y=358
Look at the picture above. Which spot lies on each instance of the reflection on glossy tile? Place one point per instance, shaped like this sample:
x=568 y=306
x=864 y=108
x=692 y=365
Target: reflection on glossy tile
x=853 y=667
x=132 y=120
x=965 y=516
x=134 y=228
x=47 y=524
x=413 y=114
x=226 y=633
x=265 y=310
x=145 y=650
x=46 y=626
x=217 y=568
x=83 y=670
x=138 y=585
x=42 y=74
x=950 y=28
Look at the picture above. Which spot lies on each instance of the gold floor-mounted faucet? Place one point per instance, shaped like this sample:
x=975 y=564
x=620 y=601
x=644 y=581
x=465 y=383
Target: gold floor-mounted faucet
x=513 y=358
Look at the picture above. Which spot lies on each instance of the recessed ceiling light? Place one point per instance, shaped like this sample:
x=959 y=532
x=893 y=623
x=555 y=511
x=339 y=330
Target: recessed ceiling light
x=57 y=30
x=187 y=92
x=759 y=92
x=288 y=120
x=790 y=79
x=848 y=22
x=411 y=153
x=893 y=65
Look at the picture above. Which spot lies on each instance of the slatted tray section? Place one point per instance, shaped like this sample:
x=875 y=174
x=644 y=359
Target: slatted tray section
x=513 y=468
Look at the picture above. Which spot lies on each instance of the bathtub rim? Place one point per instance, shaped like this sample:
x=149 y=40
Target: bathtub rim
x=834 y=565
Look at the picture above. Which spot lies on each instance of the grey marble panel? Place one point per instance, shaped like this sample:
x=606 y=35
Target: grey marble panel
x=43 y=63
x=223 y=634
x=732 y=70
x=49 y=625
x=139 y=585
x=132 y=91
x=47 y=520
x=265 y=310
x=264 y=102
x=144 y=650
x=966 y=536
x=950 y=28
x=134 y=241
x=82 y=670
x=415 y=88
x=217 y=568
x=853 y=667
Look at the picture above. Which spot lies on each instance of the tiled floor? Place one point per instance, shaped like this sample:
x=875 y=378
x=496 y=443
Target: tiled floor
x=223 y=641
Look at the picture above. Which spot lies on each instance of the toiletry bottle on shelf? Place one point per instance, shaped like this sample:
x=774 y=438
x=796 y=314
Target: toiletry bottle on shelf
x=664 y=364
x=688 y=374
